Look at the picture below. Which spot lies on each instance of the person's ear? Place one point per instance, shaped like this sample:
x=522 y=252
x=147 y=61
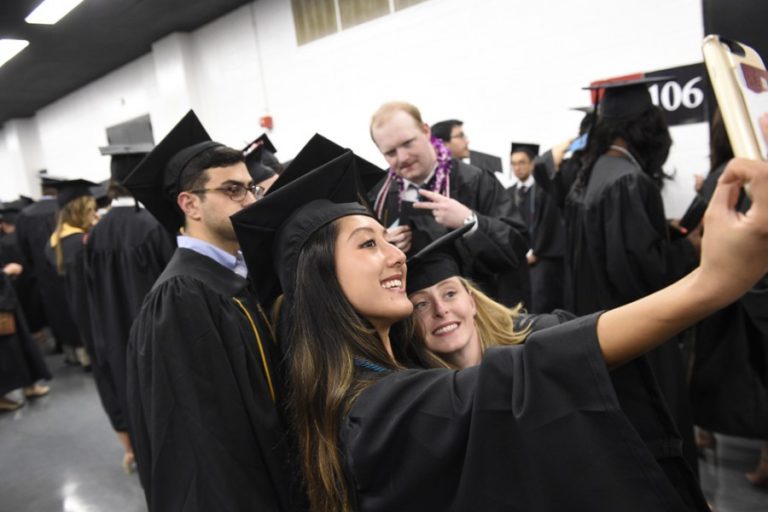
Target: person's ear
x=190 y=205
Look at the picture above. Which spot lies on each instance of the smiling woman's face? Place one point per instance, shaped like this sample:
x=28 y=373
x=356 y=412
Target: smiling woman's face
x=371 y=271
x=446 y=314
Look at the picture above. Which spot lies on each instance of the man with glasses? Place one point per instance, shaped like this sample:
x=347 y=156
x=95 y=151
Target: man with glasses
x=203 y=384
x=451 y=132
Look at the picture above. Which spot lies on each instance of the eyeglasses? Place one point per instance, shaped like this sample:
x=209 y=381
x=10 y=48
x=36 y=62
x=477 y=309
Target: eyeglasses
x=235 y=191
x=460 y=135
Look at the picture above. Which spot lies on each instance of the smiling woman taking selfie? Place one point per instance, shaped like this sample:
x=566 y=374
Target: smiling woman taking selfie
x=374 y=435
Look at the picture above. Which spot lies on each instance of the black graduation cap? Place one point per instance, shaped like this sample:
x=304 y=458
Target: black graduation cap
x=320 y=150
x=256 y=153
x=589 y=109
x=259 y=172
x=262 y=143
x=46 y=180
x=155 y=182
x=485 y=161
x=435 y=262
x=625 y=99
x=70 y=190
x=9 y=210
x=531 y=149
x=125 y=158
x=273 y=230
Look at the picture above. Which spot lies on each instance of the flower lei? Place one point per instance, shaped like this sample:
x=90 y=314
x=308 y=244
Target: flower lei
x=441 y=182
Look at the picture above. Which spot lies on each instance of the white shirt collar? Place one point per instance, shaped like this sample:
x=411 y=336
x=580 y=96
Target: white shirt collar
x=527 y=183
x=408 y=183
x=124 y=201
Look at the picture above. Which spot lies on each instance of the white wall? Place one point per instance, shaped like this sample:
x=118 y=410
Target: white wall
x=510 y=69
x=72 y=129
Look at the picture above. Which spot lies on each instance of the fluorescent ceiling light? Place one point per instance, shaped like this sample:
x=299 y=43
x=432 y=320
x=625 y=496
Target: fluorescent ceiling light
x=51 y=11
x=10 y=47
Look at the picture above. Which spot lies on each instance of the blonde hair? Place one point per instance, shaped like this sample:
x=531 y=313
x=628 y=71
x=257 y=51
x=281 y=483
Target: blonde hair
x=78 y=214
x=495 y=324
x=385 y=112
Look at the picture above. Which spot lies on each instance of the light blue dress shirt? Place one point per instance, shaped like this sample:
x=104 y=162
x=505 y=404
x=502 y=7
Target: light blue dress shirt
x=234 y=263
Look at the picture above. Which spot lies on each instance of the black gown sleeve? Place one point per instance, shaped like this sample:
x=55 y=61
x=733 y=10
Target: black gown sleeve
x=556 y=182
x=501 y=240
x=548 y=237
x=534 y=427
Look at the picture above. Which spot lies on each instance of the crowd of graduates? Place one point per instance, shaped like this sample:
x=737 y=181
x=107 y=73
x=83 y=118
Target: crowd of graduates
x=323 y=334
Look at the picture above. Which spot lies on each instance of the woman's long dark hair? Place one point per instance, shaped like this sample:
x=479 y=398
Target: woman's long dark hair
x=324 y=334
x=647 y=138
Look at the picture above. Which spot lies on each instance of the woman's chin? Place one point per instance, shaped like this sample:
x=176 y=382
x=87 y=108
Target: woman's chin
x=398 y=312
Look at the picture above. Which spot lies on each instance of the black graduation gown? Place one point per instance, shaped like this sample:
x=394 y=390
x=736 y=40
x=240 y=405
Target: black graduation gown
x=547 y=231
x=72 y=315
x=617 y=239
x=644 y=406
x=617 y=251
x=729 y=382
x=557 y=182
x=125 y=254
x=21 y=361
x=34 y=226
x=494 y=253
x=535 y=427
x=25 y=284
x=206 y=432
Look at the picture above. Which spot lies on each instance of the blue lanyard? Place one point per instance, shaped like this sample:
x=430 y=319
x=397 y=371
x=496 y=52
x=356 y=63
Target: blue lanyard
x=364 y=363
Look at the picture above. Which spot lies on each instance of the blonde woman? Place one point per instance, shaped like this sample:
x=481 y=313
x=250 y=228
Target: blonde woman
x=457 y=321
x=77 y=213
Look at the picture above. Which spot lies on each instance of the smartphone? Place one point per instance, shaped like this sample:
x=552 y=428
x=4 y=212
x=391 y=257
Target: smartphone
x=695 y=212
x=740 y=82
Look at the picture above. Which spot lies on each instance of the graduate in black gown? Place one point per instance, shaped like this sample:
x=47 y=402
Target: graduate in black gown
x=21 y=360
x=65 y=254
x=534 y=427
x=545 y=226
x=34 y=227
x=729 y=379
x=426 y=193
x=557 y=169
x=25 y=283
x=125 y=253
x=618 y=239
x=203 y=384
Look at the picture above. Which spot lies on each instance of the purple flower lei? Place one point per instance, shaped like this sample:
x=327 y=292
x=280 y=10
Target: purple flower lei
x=440 y=183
